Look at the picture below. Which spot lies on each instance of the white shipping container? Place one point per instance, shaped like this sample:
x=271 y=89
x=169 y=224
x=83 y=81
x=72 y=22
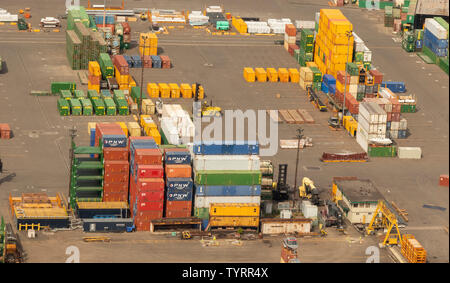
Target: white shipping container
x=170 y=131
x=403 y=124
x=361 y=140
x=289 y=39
x=309 y=210
x=395 y=126
x=305 y=24
x=409 y=152
x=386 y=93
x=276 y=227
x=226 y=162
x=367 y=54
x=204 y=202
x=393 y=134
x=8 y=18
x=370 y=128
x=317 y=18
x=366 y=111
x=359 y=43
x=353 y=88
x=435 y=28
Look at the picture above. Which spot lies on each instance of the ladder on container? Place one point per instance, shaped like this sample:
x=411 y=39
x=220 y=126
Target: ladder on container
x=282 y=175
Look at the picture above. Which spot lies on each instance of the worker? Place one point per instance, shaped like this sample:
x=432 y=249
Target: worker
x=1 y=166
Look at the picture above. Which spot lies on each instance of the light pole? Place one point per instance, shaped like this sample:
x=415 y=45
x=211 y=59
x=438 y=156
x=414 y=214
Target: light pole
x=299 y=137
x=142 y=78
x=349 y=34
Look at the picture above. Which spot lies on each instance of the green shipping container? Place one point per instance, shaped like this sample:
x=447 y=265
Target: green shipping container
x=66 y=94
x=75 y=107
x=443 y=64
x=430 y=54
x=99 y=107
x=117 y=93
x=56 y=87
x=87 y=107
x=63 y=107
x=122 y=106
x=79 y=94
x=227 y=177
x=317 y=86
x=352 y=69
x=382 y=151
x=306 y=36
x=93 y=94
x=367 y=65
x=359 y=57
x=110 y=106
x=106 y=65
x=202 y=213
x=442 y=22
x=136 y=93
x=360 y=96
x=317 y=75
x=408 y=108
x=410 y=19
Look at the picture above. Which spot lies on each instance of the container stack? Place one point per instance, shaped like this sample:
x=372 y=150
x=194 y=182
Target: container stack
x=306 y=77
x=435 y=42
x=290 y=36
x=94 y=76
x=146 y=182
x=328 y=84
x=306 y=50
x=121 y=71
x=148 y=44
x=350 y=92
x=75 y=15
x=412 y=250
x=278 y=26
x=115 y=162
x=227 y=180
x=106 y=65
x=258 y=27
x=333 y=45
x=179 y=185
x=176 y=125
x=409 y=41
x=150 y=128
x=239 y=24
x=126 y=37
x=388 y=17
x=371 y=124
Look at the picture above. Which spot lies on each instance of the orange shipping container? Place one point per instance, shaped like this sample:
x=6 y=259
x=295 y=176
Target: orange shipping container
x=178 y=171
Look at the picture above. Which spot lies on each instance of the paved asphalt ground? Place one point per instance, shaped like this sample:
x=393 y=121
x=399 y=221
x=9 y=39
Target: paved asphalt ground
x=38 y=152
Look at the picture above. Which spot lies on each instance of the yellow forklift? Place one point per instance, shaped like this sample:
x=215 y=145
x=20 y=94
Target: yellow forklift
x=207 y=110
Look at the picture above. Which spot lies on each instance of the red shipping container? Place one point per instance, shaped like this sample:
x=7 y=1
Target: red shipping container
x=5 y=131
x=121 y=64
x=165 y=62
x=142 y=226
x=116 y=177
x=176 y=149
x=351 y=104
x=377 y=76
x=127 y=38
x=95 y=80
x=149 y=196
x=147 y=61
x=150 y=171
x=177 y=214
x=396 y=106
x=150 y=184
x=290 y=30
x=115 y=187
x=148 y=215
x=101 y=26
x=116 y=166
x=114 y=196
x=340 y=3
x=389 y=117
x=341 y=76
x=395 y=117
x=370 y=95
x=339 y=96
x=179 y=205
x=178 y=171
x=443 y=180
x=115 y=153
x=150 y=205
x=106 y=129
x=126 y=27
x=148 y=156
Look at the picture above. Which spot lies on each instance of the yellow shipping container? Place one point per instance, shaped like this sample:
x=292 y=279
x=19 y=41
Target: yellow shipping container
x=261 y=74
x=234 y=209
x=249 y=74
x=233 y=221
x=306 y=74
x=152 y=90
x=283 y=74
x=156 y=135
x=340 y=87
x=294 y=75
x=304 y=84
x=148 y=39
x=311 y=64
x=124 y=127
x=174 y=90
x=148 y=107
x=186 y=90
x=201 y=91
x=91 y=125
x=121 y=79
x=164 y=90
x=124 y=87
x=95 y=87
x=134 y=129
x=94 y=68
x=149 y=124
x=143 y=117
x=272 y=75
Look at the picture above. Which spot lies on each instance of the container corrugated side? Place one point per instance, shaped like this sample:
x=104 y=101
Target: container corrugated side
x=228 y=190
x=226 y=162
x=227 y=177
x=201 y=201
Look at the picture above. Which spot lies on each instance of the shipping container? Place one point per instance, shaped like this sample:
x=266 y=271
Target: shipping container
x=409 y=152
x=107 y=224
x=227 y=148
x=226 y=162
x=177 y=156
x=178 y=171
x=234 y=209
x=227 y=177
x=205 y=201
x=228 y=190
x=236 y=221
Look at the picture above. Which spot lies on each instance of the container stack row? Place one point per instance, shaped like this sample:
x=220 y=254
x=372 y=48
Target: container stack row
x=173 y=90
x=271 y=74
x=179 y=185
x=148 y=44
x=147 y=184
x=305 y=53
x=227 y=178
x=310 y=76
x=290 y=38
x=176 y=125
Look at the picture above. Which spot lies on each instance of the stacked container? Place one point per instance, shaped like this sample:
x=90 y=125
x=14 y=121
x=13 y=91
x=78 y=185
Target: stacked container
x=435 y=40
x=227 y=173
x=179 y=185
x=333 y=46
x=121 y=71
x=148 y=44
x=146 y=182
x=306 y=77
x=126 y=34
x=306 y=51
x=329 y=84
x=371 y=124
x=176 y=124
x=290 y=36
x=239 y=24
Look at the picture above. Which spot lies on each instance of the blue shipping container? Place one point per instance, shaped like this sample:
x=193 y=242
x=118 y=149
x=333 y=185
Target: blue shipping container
x=178 y=195
x=396 y=87
x=114 y=141
x=156 y=61
x=137 y=63
x=329 y=80
x=388 y=125
x=181 y=184
x=324 y=88
x=228 y=190
x=205 y=223
x=177 y=157
x=129 y=61
x=92 y=140
x=419 y=44
x=402 y=134
x=432 y=40
x=107 y=225
x=227 y=148
x=109 y=20
x=332 y=89
x=142 y=144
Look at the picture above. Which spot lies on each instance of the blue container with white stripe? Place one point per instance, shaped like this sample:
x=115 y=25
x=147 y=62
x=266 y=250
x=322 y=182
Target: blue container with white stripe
x=137 y=63
x=201 y=190
x=324 y=88
x=396 y=87
x=227 y=148
x=329 y=80
x=114 y=141
x=177 y=157
x=419 y=44
x=432 y=40
x=179 y=189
